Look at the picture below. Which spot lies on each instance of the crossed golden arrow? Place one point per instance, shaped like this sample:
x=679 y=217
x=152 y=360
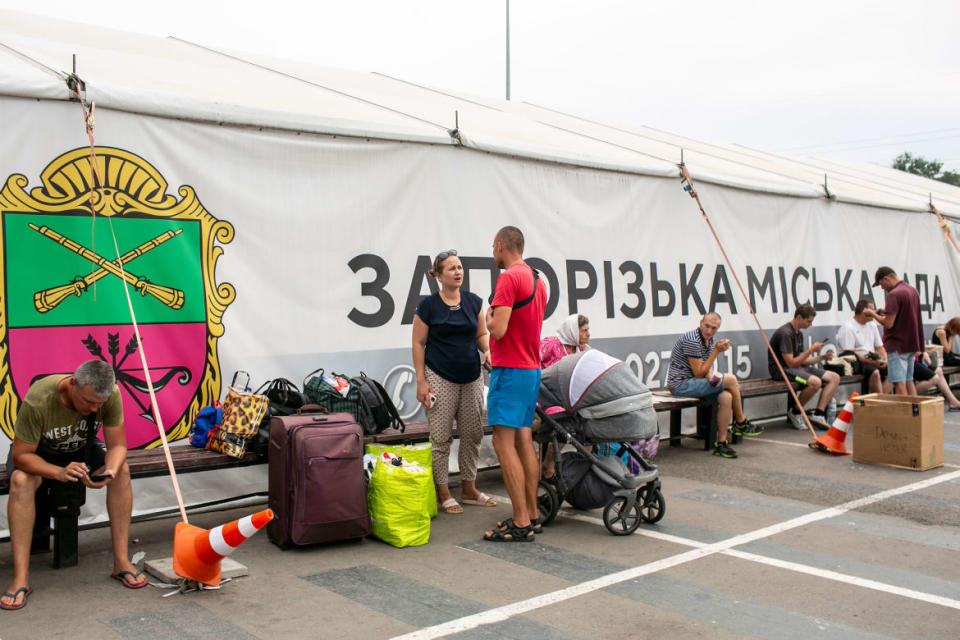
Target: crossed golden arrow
x=48 y=299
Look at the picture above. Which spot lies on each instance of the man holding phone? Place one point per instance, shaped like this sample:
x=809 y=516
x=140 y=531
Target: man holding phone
x=691 y=374
x=803 y=367
x=55 y=438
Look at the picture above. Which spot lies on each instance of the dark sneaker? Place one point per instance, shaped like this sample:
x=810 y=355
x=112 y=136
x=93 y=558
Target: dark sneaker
x=723 y=450
x=796 y=420
x=746 y=428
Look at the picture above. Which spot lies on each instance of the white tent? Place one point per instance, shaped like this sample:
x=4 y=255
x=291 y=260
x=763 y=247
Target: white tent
x=305 y=204
x=173 y=78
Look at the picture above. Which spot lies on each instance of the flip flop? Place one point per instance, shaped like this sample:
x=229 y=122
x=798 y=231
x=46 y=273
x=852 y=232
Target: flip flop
x=26 y=591
x=451 y=506
x=119 y=575
x=482 y=500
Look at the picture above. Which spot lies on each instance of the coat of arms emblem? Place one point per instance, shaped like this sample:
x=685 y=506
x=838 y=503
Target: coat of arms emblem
x=61 y=291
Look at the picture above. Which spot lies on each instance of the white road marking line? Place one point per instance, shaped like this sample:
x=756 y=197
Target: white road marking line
x=499 y=614
x=836 y=576
x=781 y=442
x=847 y=579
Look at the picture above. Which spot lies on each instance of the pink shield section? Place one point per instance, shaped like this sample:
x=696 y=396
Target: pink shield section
x=176 y=354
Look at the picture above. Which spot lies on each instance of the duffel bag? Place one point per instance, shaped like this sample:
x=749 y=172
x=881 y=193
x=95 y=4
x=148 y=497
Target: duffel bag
x=333 y=392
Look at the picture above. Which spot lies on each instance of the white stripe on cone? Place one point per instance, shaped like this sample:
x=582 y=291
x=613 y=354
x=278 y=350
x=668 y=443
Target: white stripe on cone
x=842 y=425
x=218 y=543
x=245 y=524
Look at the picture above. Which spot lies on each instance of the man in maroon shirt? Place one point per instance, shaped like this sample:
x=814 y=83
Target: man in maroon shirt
x=902 y=329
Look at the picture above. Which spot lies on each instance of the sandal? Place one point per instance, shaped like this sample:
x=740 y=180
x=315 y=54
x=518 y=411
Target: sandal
x=535 y=523
x=508 y=528
x=451 y=506
x=482 y=500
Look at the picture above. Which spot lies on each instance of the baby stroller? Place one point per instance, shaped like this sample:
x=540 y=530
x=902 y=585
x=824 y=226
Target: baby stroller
x=591 y=398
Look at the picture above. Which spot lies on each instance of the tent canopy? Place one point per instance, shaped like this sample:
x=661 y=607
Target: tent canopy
x=174 y=78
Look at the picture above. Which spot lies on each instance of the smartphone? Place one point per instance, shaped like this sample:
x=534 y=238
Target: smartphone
x=100 y=477
x=431 y=400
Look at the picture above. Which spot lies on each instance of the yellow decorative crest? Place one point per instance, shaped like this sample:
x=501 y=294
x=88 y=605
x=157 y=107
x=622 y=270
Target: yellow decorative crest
x=132 y=188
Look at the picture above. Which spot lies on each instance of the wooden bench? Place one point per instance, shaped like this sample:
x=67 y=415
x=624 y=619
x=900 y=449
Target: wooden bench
x=706 y=416
x=751 y=388
x=63 y=507
x=145 y=463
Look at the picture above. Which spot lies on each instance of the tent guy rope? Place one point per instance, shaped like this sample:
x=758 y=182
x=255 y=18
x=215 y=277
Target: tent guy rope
x=687 y=183
x=947 y=235
x=95 y=180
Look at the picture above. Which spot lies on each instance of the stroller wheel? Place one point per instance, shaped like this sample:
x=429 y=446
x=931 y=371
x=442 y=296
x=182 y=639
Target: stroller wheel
x=619 y=519
x=547 y=502
x=653 y=506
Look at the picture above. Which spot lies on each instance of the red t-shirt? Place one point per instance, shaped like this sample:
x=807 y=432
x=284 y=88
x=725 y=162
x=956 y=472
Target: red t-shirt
x=519 y=348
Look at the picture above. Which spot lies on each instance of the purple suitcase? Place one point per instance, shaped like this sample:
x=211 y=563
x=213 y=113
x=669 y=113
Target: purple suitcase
x=317 y=489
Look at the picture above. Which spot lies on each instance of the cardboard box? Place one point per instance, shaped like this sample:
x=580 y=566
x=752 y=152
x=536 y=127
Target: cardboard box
x=905 y=432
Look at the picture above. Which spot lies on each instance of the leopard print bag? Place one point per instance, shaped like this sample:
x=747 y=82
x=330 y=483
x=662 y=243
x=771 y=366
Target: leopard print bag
x=242 y=414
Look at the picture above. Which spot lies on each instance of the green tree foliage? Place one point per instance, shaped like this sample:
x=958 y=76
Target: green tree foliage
x=920 y=166
x=950 y=177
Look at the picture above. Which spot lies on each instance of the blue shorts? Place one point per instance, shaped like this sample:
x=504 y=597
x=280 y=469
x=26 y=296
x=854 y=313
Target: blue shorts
x=697 y=388
x=900 y=367
x=512 y=399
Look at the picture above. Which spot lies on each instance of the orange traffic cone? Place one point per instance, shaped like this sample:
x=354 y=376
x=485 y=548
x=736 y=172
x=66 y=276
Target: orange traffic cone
x=197 y=552
x=832 y=441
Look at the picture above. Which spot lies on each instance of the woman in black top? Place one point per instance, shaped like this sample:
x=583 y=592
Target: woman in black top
x=449 y=333
x=944 y=335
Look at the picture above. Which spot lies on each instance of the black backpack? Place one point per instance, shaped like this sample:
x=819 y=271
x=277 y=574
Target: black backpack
x=376 y=411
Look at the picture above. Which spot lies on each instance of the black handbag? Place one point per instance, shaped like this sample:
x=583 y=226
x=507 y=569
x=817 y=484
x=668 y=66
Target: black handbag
x=284 y=394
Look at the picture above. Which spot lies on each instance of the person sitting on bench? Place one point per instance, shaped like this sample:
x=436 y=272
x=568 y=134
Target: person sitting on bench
x=860 y=335
x=691 y=373
x=803 y=367
x=52 y=439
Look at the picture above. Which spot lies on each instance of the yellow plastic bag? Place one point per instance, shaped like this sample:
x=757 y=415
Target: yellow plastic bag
x=398 y=514
x=421 y=454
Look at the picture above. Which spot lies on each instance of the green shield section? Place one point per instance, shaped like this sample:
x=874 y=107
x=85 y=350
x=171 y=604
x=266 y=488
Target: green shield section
x=39 y=264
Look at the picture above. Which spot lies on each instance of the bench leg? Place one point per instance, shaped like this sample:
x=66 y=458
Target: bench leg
x=706 y=425
x=675 y=433
x=41 y=523
x=66 y=522
x=63 y=503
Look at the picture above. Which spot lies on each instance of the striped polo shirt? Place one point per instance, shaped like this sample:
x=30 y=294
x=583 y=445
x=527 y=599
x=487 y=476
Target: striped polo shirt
x=689 y=345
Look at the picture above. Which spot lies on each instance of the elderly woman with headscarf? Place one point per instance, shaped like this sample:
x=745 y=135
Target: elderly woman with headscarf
x=572 y=336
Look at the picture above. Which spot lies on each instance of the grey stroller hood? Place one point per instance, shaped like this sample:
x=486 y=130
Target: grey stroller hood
x=603 y=396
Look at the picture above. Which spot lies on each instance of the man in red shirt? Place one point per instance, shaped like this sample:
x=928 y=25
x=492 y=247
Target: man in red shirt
x=514 y=320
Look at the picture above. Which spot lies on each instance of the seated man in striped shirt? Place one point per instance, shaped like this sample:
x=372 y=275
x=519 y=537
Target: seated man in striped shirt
x=691 y=374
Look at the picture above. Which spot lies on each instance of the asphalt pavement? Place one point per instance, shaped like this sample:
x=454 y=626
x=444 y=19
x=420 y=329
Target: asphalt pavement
x=783 y=542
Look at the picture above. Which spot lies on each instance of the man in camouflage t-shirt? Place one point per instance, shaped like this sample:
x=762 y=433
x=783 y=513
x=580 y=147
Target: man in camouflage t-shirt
x=51 y=440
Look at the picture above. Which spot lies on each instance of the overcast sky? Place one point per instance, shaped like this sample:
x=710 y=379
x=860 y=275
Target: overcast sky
x=840 y=79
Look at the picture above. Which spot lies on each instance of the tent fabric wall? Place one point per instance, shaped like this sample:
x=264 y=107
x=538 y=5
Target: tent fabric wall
x=340 y=186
